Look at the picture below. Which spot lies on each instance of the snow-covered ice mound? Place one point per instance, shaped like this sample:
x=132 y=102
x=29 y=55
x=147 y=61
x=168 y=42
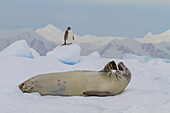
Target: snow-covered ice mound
x=95 y=55
x=20 y=49
x=143 y=59
x=68 y=54
x=35 y=53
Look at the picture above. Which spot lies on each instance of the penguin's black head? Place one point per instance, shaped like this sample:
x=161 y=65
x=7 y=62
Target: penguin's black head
x=68 y=28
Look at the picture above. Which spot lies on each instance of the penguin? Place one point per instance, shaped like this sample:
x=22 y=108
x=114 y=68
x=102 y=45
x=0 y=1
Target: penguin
x=68 y=36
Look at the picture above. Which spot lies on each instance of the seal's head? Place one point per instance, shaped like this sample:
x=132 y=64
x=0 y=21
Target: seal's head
x=28 y=86
x=123 y=71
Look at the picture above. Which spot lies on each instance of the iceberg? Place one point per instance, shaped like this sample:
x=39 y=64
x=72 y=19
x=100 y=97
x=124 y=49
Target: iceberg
x=67 y=54
x=20 y=49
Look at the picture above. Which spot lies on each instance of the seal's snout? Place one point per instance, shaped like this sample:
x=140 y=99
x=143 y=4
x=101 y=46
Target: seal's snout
x=27 y=86
x=21 y=87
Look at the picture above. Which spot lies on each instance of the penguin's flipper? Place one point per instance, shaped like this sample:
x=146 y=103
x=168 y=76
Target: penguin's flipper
x=65 y=36
x=97 y=93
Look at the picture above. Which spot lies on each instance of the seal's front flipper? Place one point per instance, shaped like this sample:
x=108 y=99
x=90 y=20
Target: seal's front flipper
x=97 y=93
x=110 y=66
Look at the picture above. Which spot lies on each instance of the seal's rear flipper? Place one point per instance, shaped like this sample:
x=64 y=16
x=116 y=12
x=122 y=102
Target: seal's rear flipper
x=110 y=66
x=97 y=93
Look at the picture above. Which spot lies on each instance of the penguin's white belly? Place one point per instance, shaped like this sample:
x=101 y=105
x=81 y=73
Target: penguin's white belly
x=69 y=39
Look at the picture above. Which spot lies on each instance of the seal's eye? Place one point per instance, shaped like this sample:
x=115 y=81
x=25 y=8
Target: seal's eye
x=21 y=85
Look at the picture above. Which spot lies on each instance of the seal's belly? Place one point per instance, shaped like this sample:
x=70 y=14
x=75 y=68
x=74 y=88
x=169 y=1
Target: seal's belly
x=75 y=83
x=87 y=83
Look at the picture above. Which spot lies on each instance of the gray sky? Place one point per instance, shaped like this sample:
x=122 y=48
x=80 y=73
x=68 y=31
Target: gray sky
x=124 y=18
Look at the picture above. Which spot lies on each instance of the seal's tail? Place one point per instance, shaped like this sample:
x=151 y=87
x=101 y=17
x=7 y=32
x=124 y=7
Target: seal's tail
x=110 y=66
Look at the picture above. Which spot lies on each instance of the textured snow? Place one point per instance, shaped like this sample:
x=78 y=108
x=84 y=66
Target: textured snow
x=143 y=59
x=34 y=53
x=68 y=54
x=95 y=55
x=148 y=91
x=20 y=49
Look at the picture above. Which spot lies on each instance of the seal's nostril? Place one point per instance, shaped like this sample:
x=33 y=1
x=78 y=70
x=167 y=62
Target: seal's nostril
x=21 y=85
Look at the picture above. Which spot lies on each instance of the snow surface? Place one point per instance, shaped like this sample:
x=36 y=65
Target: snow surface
x=148 y=91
